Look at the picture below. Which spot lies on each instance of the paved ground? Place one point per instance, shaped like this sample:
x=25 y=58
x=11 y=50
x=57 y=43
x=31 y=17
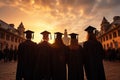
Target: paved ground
x=112 y=70
x=7 y=70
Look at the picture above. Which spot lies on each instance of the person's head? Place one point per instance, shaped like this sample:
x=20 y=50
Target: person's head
x=91 y=33
x=74 y=38
x=91 y=36
x=58 y=35
x=45 y=35
x=29 y=34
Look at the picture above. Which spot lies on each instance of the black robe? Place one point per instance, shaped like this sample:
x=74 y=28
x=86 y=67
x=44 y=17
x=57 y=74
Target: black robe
x=26 y=60
x=93 y=55
x=43 y=62
x=75 y=64
x=59 y=60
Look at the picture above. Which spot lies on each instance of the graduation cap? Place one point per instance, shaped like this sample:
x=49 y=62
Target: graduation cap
x=90 y=29
x=74 y=36
x=45 y=35
x=29 y=34
x=58 y=35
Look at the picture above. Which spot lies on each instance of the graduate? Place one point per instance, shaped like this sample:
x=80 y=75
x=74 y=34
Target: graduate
x=42 y=69
x=93 y=56
x=59 y=59
x=26 y=58
x=75 y=61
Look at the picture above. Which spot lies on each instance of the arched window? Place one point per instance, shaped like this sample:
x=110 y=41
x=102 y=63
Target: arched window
x=110 y=36
x=8 y=37
x=106 y=37
x=114 y=34
x=104 y=46
x=118 y=32
x=111 y=45
x=2 y=35
x=107 y=45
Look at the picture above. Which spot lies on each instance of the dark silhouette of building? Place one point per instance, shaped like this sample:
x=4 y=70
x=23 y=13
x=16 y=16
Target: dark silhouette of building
x=10 y=36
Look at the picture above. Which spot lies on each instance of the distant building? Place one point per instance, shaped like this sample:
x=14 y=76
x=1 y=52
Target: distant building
x=66 y=39
x=9 y=36
x=109 y=34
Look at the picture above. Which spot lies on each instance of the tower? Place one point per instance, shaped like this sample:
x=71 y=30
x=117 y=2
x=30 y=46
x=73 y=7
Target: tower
x=66 y=39
x=105 y=25
x=21 y=29
x=116 y=20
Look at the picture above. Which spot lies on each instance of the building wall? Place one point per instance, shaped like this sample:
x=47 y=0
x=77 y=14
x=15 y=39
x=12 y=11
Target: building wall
x=111 y=39
x=9 y=39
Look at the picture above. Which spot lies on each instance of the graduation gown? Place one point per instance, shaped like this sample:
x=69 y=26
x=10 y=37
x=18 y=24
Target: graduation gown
x=59 y=60
x=26 y=60
x=75 y=64
x=93 y=55
x=43 y=62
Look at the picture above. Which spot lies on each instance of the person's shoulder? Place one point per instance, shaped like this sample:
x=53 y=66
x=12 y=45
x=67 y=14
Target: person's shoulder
x=30 y=42
x=80 y=46
x=86 y=42
x=99 y=42
x=21 y=44
x=53 y=45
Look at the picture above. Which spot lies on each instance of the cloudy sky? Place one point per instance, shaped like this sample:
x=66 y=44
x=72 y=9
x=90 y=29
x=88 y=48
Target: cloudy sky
x=57 y=15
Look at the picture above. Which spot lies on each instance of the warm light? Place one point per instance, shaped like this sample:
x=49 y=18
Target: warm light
x=53 y=16
x=32 y=1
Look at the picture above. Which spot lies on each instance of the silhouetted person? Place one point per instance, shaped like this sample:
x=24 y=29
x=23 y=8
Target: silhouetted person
x=26 y=58
x=59 y=58
x=75 y=65
x=15 y=54
x=93 y=57
x=113 y=54
x=10 y=56
x=6 y=52
x=118 y=53
x=1 y=55
x=109 y=52
x=43 y=62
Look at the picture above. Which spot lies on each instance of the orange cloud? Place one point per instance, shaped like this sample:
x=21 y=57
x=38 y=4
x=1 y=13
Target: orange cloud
x=57 y=15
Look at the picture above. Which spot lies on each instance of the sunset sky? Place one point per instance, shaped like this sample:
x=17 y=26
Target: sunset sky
x=57 y=15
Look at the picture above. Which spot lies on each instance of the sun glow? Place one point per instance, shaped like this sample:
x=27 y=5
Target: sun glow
x=56 y=15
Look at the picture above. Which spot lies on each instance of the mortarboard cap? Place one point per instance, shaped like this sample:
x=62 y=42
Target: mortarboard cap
x=29 y=33
x=90 y=29
x=45 y=34
x=73 y=35
x=58 y=34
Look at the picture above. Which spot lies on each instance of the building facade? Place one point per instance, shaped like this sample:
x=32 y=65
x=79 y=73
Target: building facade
x=109 y=34
x=9 y=36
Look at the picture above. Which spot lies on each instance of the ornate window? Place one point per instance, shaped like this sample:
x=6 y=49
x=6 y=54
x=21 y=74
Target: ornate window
x=118 y=32
x=114 y=34
x=106 y=37
x=2 y=35
x=103 y=38
x=12 y=38
x=110 y=36
x=111 y=45
x=8 y=37
x=107 y=45
x=104 y=46
x=16 y=39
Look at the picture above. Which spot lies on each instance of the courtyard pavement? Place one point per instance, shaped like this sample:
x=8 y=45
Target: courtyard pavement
x=8 y=70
